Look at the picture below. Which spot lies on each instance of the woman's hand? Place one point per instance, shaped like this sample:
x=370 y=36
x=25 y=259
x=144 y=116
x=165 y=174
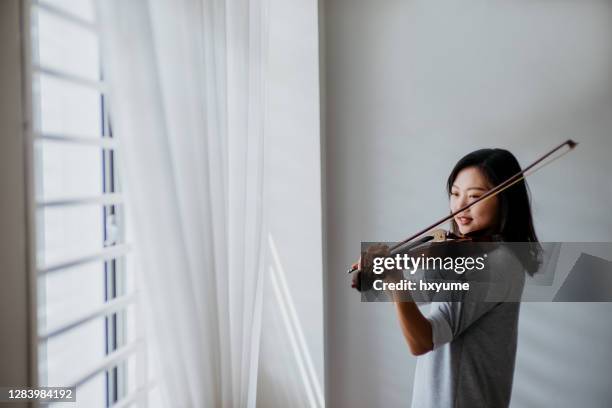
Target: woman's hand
x=366 y=261
x=365 y=264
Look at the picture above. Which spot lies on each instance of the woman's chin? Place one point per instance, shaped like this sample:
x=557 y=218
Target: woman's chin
x=465 y=230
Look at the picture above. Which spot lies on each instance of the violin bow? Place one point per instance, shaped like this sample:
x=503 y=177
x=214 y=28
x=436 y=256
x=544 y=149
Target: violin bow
x=521 y=175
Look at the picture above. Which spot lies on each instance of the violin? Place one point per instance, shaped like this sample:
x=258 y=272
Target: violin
x=439 y=241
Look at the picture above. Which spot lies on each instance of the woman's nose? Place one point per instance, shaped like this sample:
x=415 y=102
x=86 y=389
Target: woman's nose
x=458 y=203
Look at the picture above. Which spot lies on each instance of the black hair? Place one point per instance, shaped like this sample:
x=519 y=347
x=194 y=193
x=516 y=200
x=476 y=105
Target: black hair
x=515 y=219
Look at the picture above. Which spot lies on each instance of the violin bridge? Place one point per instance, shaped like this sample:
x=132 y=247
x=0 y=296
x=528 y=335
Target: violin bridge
x=439 y=235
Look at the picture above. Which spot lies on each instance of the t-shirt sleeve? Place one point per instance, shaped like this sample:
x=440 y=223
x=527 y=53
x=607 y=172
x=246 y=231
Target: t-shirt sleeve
x=450 y=319
x=441 y=330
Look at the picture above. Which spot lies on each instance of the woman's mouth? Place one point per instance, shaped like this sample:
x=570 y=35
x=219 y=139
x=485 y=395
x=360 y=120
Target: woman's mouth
x=463 y=220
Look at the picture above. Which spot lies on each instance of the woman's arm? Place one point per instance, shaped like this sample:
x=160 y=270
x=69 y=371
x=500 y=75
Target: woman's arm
x=415 y=327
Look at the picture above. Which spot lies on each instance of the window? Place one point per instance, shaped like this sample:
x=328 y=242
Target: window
x=88 y=331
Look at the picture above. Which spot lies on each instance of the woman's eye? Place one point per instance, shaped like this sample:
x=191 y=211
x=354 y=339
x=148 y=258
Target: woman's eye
x=454 y=194
x=474 y=196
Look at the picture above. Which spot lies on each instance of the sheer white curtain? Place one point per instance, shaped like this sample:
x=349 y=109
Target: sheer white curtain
x=187 y=103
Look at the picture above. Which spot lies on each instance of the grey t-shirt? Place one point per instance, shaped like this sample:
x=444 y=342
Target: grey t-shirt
x=472 y=363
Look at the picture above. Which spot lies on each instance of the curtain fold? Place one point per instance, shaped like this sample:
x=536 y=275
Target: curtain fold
x=187 y=100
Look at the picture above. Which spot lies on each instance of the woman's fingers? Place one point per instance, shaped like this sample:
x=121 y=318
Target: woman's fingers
x=366 y=258
x=377 y=250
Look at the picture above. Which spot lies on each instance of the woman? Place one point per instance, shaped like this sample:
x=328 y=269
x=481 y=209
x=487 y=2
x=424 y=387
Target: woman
x=468 y=349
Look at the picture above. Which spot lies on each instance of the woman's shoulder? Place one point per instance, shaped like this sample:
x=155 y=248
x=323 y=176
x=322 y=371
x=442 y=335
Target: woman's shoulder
x=505 y=266
x=504 y=254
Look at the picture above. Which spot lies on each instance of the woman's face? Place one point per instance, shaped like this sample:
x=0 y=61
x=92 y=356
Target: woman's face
x=470 y=184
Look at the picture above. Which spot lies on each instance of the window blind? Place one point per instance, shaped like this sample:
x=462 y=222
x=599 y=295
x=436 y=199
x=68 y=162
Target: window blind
x=88 y=331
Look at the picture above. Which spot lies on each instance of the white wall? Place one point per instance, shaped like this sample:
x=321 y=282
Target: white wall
x=411 y=87
x=291 y=370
